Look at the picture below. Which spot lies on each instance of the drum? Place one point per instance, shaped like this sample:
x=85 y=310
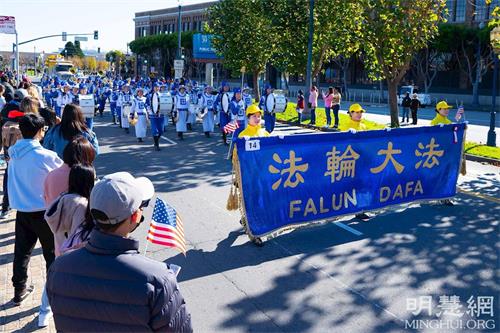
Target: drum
x=276 y=102
x=166 y=103
x=226 y=100
x=87 y=105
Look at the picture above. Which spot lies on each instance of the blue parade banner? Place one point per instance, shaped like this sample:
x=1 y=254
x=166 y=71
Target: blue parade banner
x=202 y=47
x=292 y=180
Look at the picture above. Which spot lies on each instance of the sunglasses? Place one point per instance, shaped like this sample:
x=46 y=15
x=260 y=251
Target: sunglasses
x=144 y=204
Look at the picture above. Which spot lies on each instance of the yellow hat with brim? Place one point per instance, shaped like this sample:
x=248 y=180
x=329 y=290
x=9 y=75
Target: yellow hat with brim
x=443 y=105
x=356 y=108
x=252 y=109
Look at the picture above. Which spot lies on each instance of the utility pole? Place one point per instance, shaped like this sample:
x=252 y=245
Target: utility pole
x=309 y=55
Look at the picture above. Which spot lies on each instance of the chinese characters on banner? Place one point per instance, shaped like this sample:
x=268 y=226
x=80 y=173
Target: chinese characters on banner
x=302 y=178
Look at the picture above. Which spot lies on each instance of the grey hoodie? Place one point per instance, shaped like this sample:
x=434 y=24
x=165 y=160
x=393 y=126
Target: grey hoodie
x=64 y=216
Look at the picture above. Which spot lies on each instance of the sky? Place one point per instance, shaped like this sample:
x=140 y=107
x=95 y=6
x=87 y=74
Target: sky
x=112 y=18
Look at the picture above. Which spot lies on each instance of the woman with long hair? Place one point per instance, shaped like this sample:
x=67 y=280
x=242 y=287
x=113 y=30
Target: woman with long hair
x=328 y=105
x=70 y=212
x=78 y=151
x=72 y=124
x=313 y=103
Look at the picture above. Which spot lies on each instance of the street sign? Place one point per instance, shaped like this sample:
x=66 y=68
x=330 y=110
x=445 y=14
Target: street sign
x=64 y=36
x=81 y=39
x=7 y=25
x=179 y=68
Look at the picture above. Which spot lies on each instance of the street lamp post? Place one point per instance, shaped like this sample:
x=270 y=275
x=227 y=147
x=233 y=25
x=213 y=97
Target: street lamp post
x=309 y=53
x=495 y=40
x=179 y=31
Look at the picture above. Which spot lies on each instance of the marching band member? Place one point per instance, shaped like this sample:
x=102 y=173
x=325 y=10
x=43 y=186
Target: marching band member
x=181 y=107
x=193 y=105
x=269 y=116
x=64 y=98
x=74 y=94
x=139 y=108
x=237 y=110
x=247 y=98
x=221 y=117
x=208 y=102
x=157 y=119
x=125 y=101
x=113 y=99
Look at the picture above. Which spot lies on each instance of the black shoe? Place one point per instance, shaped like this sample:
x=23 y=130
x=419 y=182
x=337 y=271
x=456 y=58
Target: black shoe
x=127 y=130
x=207 y=134
x=363 y=216
x=139 y=139
x=189 y=127
x=20 y=296
x=180 y=135
x=157 y=148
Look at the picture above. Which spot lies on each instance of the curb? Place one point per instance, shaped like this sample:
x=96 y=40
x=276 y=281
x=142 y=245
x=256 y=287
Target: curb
x=482 y=159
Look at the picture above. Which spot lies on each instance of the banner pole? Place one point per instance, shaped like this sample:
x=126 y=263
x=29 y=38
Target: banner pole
x=230 y=146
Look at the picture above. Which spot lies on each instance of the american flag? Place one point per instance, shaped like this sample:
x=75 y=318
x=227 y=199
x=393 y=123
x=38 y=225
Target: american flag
x=231 y=127
x=166 y=227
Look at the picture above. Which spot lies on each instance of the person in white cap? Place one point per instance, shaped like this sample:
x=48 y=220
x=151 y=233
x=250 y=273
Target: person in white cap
x=108 y=286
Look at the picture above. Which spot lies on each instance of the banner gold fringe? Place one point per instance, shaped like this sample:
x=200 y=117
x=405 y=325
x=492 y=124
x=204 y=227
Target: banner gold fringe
x=232 y=200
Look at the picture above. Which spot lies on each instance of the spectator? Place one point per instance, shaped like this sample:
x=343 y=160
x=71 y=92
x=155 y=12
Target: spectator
x=69 y=211
x=328 y=105
x=29 y=165
x=414 y=106
x=13 y=105
x=405 y=104
x=72 y=124
x=2 y=98
x=313 y=103
x=33 y=92
x=78 y=151
x=336 y=106
x=300 y=105
x=107 y=285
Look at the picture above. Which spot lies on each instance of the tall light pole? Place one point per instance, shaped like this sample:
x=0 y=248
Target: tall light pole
x=179 y=31
x=309 y=53
x=495 y=40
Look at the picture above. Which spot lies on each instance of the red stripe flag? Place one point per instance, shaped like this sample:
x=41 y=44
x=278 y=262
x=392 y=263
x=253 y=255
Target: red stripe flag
x=231 y=127
x=166 y=227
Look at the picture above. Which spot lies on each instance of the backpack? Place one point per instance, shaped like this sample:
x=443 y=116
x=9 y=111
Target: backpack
x=10 y=133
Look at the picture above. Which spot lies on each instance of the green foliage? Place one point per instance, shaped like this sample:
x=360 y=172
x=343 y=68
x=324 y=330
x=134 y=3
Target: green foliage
x=243 y=34
x=79 y=52
x=69 y=50
x=477 y=149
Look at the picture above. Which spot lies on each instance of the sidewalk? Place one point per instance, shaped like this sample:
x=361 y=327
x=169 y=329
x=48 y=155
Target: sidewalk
x=22 y=318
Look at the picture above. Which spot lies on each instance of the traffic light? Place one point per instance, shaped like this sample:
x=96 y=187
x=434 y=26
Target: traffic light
x=64 y=36
x=183 y=53
x=98 y=50
x=96 y=34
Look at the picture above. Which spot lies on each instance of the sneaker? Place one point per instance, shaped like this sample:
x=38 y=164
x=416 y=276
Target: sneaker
x=5 y=214
x=44 y=319
x=20 y=296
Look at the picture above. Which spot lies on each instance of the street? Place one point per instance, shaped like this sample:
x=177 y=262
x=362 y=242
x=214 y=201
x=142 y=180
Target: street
x=325 y=278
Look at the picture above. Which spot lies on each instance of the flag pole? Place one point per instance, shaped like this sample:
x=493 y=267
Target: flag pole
x=230 y=146
x=146 y=248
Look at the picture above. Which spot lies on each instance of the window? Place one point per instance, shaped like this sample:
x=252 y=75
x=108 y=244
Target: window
x=450 y=4
x=480 y=10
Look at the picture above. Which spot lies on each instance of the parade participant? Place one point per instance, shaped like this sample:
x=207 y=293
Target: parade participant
x=269 y=116
x=139 y=109
x=55 y=91
x=47 y=93
x=113 y=99
x=253 y=129
x=221 y=117
x=208 y=102
x=125 y=102
x=237 y=110
x=193 y=106
x=181 y=108
x=246 y=97
x=356 y=113
x=74 y=94
x=143 y=291
x=442 y=111
x=157 y=119
x=89 y=121
x=64 y=98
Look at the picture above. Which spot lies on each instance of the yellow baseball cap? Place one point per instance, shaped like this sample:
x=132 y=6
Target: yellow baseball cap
x=253 y=109
x=356 y=108
x=443 y=105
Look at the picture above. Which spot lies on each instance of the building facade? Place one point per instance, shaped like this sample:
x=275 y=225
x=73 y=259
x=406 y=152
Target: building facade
x=165 y=21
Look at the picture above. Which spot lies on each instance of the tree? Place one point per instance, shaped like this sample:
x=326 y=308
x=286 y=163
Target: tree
x=336 y=31
x=243 y=34
x=425 y=65
x=78 y=50
x=393 y=31
x=90 y=64
x=115 y=57
x=471 y=49
x=69 y=50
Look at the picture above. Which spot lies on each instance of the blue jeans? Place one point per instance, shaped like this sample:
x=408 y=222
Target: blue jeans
x=406 y=113
x=313 y=116
x=45 y=306
x=90 y=123
x=328 y=116
x=336 y=109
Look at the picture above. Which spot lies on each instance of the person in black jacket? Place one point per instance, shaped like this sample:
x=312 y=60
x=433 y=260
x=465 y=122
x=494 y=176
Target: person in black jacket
x=108 y=286
x=414 y=106
x=406 y=104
